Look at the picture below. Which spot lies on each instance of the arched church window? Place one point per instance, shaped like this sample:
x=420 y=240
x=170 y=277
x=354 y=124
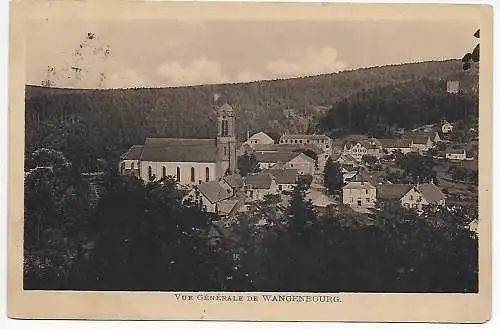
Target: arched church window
x=164 y=171
x=207 y=174
x=225 y=150
x=150 y=172
x=192 y=174
x=133 y=165
x=178 y=174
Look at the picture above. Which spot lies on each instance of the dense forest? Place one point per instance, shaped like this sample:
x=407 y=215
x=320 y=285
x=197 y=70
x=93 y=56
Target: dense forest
x=88 y=125
x=143 y=237
x=378 y=111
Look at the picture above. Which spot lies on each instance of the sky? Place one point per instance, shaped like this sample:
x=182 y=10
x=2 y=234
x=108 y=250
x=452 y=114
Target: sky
x=161 y=53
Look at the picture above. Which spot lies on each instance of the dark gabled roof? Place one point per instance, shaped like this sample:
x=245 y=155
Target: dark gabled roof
x=259 y=181
x=179 y=150
x=395 y=143
x=133 y=153
x=274 y=157
x=214 y=191
x=283 y=176
x=392 y=191
x=358 y=185
x=420 y=138
x=374 y=177
x=293 y=147
x=348 y=167
x=234 y=180
x=431 y=192
x=265 y=147
x=225 y=207
x=302 y=136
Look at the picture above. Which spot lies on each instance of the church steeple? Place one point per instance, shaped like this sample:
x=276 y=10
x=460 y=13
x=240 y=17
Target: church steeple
x=226 y=137
x=225 y=120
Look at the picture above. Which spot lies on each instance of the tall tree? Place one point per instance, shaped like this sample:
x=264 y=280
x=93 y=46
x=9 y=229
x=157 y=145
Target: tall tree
x=247 y=164
x=332 y=177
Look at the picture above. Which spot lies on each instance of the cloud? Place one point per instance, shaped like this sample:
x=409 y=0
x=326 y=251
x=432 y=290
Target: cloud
x=311 y=62
x=124 y=79
x=247 y=76
x=199 y=71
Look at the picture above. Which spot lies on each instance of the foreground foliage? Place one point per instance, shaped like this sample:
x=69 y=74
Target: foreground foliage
x=142 y=237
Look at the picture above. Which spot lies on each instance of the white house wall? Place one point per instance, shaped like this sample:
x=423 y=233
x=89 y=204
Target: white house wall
x=413 y=199
x=303 y=166
x=368 y=197
x=171 y=167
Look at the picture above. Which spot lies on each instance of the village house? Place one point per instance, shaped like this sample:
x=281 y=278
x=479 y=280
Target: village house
x=365 y=147
x=267 y=160
x=359 y=194
x=214 y=197
x=392 y=145
x=190 y=161
x=411 y=196
x=285 y=178
x=235 y=181
x=446 y=127
x=259 y=138
x=345 y=159
x=129 y=161
x=355 y=149
x=455 y=154
x=421 y=142
x=321 y=155
x=348 y=172
x=260 y=184
x=304 y=164
x=286 y=160
x=322 y=141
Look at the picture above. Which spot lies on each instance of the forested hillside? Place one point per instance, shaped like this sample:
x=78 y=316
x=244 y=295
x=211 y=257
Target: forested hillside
x=378 y=111
x=90 y=124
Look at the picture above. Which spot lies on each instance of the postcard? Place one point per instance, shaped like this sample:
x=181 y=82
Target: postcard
x=250 y=161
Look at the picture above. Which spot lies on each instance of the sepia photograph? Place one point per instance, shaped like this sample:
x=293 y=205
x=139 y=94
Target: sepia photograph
x=222 y=155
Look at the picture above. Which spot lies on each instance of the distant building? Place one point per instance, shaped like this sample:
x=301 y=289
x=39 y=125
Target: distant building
x=304 y=164
x=190 y=161
x=285 y=178
x=392 y=145
x=355 y=149
x=267 y=160
x=259 y=138
x=322 y=141
x=365 y=147
x=214 y=196
x=359 y=194
x=446 y=127
x=456 y=154
x=411 y=196
x=286 y=160
x=130 y=161
x=421 y=142
x=321 y=155
x=348 y=172
x=345 y=159
x=259 y=185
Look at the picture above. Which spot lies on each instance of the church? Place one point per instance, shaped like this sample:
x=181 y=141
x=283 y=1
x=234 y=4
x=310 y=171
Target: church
x=189 y=161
